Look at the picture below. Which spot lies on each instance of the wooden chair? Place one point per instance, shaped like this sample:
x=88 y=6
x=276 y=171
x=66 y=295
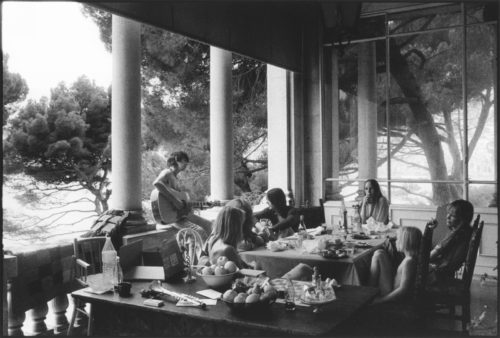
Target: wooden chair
x=457 y=291
x=313 y=216
x=87 y=260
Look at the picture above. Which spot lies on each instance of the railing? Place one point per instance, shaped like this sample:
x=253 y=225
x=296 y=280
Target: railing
x=40 y=289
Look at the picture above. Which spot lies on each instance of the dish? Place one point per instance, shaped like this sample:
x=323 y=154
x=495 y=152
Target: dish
x=334 y=253
x=362 y=245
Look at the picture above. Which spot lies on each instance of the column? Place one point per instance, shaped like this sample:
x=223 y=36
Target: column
x=126 y=120
x=367 y=113
x=278 y=152
x=221 y=125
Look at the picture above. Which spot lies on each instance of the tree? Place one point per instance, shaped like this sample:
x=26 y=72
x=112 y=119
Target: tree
x=15 y=89
x=64 y=142
x=175 y=83
x=426 y=90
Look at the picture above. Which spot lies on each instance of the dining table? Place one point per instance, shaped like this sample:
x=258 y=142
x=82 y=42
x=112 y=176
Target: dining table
x=116 y=316
x=350 y=270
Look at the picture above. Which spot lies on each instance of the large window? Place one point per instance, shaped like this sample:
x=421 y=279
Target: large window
x=401 y=112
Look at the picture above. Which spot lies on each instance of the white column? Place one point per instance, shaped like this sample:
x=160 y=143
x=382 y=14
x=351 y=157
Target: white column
x=126 y=114
x=278 y=152
x=221 y=125
x=367 y=112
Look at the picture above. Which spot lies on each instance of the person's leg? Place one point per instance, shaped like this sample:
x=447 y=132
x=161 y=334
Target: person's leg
x=381 y=272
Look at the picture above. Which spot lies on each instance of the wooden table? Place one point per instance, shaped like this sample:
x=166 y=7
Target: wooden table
x=350 y=270
x=114 y=315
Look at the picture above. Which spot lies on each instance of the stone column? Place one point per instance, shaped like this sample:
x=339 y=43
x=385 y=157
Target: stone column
x=126 y=120
x=221 y=125
x=278 y=153
x=367 y=113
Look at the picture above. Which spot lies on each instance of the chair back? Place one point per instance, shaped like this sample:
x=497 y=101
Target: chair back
x=89 y=250
x=313 y=216
x=423 y=261
x=470 y=259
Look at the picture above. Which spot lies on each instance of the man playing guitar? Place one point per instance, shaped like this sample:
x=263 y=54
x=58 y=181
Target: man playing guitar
x=169 y=203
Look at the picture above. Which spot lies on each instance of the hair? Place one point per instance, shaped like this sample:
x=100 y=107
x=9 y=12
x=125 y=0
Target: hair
x=463 y=209
x=228 y=225
x=176 y=157
x=249 y=221
x=408 y=240
x=278 y=199
x=378 y=192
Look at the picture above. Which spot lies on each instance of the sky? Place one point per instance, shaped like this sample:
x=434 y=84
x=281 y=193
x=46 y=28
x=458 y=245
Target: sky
x=50 y=42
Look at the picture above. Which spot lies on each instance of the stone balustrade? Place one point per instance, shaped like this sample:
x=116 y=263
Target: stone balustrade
x=39 y=289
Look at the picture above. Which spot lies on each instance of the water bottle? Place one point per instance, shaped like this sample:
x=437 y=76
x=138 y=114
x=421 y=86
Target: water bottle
x=290 y=296
x=109 y=256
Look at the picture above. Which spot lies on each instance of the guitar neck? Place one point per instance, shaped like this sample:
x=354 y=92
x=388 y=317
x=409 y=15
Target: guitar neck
x=201 y=205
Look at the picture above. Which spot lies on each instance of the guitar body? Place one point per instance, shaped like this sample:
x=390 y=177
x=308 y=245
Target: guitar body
x=164 y=211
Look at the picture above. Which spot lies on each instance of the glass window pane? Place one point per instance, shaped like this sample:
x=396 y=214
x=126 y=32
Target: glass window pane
x=430 y=18
x=483 y=195
x=413 y=193
x=426 y=113
x=481 y=12
x=481 y=60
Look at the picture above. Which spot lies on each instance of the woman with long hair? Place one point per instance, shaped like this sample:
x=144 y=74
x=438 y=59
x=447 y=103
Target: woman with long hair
x=250 y=238
x=374 y=203
x=227 y=232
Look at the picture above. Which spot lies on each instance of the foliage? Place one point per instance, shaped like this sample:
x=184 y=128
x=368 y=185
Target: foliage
x=15 y=89
x=426 y=95
x=175 y=82
x=64 y=140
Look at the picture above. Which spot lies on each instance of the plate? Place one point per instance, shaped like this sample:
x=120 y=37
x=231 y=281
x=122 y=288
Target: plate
x=316 y=302
x=362 y=245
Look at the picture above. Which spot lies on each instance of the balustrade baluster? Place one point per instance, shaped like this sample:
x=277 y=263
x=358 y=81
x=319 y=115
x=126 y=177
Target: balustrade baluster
x=38 y=315
x=16 y=320
x=59 y=305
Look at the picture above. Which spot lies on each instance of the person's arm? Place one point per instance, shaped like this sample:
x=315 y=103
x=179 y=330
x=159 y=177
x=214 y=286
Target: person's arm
x=291 y=221
x=408 y=275
x=173 y=195
x=264 y=213
x=382 y=210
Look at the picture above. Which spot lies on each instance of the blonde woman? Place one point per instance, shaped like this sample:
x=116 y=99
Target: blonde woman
x=396 y=285
x=227 y=232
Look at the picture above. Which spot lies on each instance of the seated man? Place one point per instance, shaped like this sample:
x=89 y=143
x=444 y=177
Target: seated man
x=449 y=254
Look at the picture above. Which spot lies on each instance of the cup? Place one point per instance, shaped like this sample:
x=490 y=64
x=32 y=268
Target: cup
x=349 y=248
x=124 y=289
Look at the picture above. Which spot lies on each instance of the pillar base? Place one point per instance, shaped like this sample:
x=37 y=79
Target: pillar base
x=136 y=223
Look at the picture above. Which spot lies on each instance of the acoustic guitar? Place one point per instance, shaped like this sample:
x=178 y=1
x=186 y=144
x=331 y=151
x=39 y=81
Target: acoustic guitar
x=165 y=211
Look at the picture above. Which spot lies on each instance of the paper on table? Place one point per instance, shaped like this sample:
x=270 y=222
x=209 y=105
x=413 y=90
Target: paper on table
x=209 y=293
x=97 y=292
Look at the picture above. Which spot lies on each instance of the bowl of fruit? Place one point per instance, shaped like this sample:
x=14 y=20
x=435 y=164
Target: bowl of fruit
x=250 y=296
x=219 y=275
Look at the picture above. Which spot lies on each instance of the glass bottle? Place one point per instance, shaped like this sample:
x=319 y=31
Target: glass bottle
x=344 y=216
x=109 y=256
x=357 y=218
x=289 y=296
x=302 y=232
